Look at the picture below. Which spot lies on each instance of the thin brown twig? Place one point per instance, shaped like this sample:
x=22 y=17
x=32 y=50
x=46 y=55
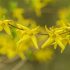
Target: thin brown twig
x=16 y=27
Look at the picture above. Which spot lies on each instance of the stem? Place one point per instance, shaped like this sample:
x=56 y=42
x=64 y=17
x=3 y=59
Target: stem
x=23 y=29
x=16 y=27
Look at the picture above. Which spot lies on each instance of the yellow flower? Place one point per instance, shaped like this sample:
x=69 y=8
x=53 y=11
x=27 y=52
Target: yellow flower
x=43 y=55
x=64 y=24
x=29 y=34
x=55 y=38
x=37 y=6
x=4 y=25
x=18 y=13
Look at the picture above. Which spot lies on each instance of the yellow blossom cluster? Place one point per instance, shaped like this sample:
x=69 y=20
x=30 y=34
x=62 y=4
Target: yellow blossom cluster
x=57 y=36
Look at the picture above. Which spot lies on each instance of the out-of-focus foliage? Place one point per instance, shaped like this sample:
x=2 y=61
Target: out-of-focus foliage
x=64 y=14
x=37 y=5
x=22 y=37
x=3 y=12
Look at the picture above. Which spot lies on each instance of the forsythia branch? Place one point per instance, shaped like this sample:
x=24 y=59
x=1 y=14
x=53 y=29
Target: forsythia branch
x=58 y=35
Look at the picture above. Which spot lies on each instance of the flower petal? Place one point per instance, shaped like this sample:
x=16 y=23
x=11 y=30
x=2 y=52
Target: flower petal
x=34 y=41
x=7 y=29
x=23 y=27
x=60 y=45
x=48 y=42
x=23 y=38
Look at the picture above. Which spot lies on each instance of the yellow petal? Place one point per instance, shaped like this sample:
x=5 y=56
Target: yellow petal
x=7 y=29
x=48 y=42
x=60 y=45
x=55 y=45
x=35 y=30
x=25 y=37
x=22 y=27
x=34 y=41
x=48 y=31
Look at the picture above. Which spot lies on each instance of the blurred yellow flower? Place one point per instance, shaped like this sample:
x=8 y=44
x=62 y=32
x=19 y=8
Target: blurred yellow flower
x=7 y=46
x=18 y=13
x=43 y=55
x=64 y=13
x=21 y=49
x=3 y=12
